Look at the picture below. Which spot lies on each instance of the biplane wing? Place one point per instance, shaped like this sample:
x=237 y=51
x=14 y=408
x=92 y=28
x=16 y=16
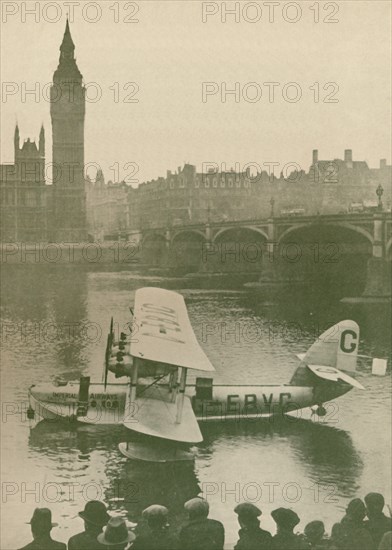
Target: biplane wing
x=158 y=418
x=162 y=335
x=162 y=331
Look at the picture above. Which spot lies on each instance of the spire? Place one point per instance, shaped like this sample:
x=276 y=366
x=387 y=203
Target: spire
x=67 y=67
x=41 y=147
x=16 y=138
x=67 y=44
x=99 y=179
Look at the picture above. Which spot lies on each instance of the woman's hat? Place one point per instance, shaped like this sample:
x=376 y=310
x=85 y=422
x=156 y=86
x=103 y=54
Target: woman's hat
x=42 y=518
x=95 y=512
x=116 y=533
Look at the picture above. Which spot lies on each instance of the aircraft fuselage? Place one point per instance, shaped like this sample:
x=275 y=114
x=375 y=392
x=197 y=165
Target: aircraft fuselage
x=108 y=406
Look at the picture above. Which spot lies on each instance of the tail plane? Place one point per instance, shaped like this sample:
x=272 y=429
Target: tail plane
x=337 y=347
x=336 y=350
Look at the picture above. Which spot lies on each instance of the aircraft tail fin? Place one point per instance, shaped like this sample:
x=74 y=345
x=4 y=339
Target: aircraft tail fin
x=337 y=347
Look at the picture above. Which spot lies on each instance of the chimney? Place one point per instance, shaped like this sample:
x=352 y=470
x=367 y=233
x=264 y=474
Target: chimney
x=315 y=156
x=348 y=155
x=383 y=163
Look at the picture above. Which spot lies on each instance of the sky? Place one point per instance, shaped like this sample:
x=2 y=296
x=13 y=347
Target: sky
x=161 y=53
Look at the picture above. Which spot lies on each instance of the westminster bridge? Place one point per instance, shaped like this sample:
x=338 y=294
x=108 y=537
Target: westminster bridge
x=348 y=247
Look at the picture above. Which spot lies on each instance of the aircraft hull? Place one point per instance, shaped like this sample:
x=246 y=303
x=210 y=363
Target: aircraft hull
x=227 y=403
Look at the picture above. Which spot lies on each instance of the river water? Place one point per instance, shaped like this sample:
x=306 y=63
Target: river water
x=55 y=320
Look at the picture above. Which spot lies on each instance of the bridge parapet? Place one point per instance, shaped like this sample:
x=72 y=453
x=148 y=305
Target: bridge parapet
x=362 y=235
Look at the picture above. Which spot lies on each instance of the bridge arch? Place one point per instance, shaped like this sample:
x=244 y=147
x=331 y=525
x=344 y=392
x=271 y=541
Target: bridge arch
x=183 y=233
x=255 y=230
x=238 y=249
x=354 y=228
x=187 y=248
x=153 y=248
x=332 y=257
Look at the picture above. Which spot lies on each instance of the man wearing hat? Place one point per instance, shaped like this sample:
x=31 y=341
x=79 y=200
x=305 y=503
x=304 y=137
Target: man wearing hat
x=285 y=538
x=351 y=530
x=95 y=516
x=41 y=526
x=252 y=537
x=200 y=532
x=377 y=523
x=158 y=535
x=115 y=536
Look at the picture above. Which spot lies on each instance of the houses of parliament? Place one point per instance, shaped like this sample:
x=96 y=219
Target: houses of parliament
x=31 y=210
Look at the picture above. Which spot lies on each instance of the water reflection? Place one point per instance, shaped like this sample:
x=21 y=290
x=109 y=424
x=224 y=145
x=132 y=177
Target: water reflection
x=129 y=486
x=326 y=453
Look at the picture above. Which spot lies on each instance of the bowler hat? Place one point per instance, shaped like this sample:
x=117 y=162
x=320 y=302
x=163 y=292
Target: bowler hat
x=197 y=506
x=247 y=509
x=42 y=518
x=116 y=533
x=285 y=517
x=95 y=512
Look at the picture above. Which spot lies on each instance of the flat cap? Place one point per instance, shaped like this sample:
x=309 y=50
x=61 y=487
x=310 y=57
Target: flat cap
x=197 y=506
x=285 y=516
x=247 y=509
x=155 y=511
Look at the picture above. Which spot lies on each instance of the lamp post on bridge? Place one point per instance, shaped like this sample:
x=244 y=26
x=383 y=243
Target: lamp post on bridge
x=272 y=203
x=380 y=192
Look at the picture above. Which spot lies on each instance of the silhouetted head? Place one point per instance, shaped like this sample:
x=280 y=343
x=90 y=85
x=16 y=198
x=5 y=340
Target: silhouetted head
x=285 y=519
x=197 y=508
x=41 y=522
x=314 y=531
x=156 y=516
x=248 y=515
x=337 y=534
x=374 y=504
x=356 y=509
x=95 y=515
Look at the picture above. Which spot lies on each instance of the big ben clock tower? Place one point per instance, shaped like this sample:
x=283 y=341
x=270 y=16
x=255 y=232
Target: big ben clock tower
x=67 y=111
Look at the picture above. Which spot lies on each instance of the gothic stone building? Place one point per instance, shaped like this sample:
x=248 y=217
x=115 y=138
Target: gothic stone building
x=32 y=211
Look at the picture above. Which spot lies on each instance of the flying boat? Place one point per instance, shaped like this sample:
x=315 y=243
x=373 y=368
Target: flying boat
x=160 y=410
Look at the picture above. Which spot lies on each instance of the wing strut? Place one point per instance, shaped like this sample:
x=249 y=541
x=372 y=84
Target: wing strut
x=181 y=394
